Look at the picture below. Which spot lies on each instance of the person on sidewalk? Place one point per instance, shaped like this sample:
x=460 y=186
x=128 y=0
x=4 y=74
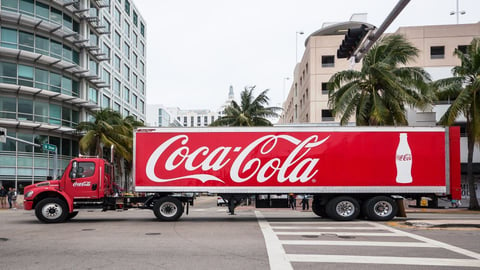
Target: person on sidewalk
x=305 y=205
x=293 y=201
x=9 y=196
x=14 y=198
x=3 y=197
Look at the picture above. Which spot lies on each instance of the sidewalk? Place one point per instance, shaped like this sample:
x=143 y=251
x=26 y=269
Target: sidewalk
x=444 y=223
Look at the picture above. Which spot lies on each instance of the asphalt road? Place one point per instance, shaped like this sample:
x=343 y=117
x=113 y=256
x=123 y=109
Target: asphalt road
x=208 y=238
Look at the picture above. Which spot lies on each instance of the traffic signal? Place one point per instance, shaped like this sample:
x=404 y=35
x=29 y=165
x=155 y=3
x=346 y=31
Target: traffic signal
x=352 y=39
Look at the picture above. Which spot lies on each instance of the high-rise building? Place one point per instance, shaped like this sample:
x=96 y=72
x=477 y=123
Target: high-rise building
x=59 y=62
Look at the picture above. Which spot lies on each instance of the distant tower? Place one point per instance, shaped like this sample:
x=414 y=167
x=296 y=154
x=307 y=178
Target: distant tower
x=231 y=96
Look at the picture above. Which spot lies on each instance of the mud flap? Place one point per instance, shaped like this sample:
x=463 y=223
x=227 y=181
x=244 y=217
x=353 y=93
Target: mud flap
x=401 y=208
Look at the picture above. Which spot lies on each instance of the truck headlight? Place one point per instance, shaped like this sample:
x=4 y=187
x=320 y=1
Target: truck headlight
x=29 y=194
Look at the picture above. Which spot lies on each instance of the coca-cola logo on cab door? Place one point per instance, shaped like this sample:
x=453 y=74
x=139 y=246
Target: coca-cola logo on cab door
x=255 y=161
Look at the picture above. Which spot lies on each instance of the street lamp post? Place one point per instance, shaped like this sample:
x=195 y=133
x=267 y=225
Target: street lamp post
x=457 y=12
x=296 y=45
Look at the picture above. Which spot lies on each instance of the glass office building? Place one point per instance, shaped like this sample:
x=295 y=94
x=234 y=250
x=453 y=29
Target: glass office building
x=59 y=62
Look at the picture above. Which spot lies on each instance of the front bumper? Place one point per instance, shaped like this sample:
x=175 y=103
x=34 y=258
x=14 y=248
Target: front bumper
x=27 y=205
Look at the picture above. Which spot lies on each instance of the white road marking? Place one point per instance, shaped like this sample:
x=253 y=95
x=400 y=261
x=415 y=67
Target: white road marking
x=322 y=228
x=432 y=242
x=356 y=243
x=319 y=222
x=279 y=260
x=340 y=233
x=276 y=254
x=383 y=260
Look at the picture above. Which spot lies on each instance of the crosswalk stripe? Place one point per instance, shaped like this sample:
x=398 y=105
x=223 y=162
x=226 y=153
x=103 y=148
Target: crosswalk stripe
x=383 y=260
x=276 y=254
x=433 y=242
x=323 y=228
x=356 y=243
x=340 y=233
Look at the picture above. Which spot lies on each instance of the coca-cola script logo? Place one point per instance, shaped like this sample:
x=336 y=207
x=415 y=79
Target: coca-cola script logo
x=405 y=157
x=82 y=184
x=295 y=167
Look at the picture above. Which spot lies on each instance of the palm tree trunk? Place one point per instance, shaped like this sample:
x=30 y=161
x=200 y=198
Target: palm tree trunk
x=470 y=180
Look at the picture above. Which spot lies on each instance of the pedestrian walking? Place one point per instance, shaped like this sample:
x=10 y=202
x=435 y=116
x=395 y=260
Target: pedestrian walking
x=305 y=204
x=14 y=198
x=3 y=197
x=9 y=196
x=293 y=201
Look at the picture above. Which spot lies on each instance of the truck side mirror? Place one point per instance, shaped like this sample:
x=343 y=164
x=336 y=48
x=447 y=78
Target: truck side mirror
x=74 y=171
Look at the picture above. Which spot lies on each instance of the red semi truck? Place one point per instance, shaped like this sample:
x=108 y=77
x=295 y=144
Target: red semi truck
x=349 y=171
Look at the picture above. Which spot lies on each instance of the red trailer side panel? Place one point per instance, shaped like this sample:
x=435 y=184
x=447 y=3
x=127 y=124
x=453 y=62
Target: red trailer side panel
x=455 y=180
x=311 y=160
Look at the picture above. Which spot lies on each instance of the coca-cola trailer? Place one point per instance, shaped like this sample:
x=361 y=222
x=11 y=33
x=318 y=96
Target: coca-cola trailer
x=349 y=171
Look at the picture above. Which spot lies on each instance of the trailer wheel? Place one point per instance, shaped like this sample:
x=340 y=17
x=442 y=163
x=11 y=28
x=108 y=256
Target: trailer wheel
x=168 y=209
x=380 y=208
x=51 y=210
x=343 y=208
x=318 y=209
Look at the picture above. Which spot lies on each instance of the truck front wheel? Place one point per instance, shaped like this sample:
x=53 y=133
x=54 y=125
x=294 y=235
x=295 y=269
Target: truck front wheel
x=168 y=209
x=380 y=208
x=343 y=208
x=51 y=210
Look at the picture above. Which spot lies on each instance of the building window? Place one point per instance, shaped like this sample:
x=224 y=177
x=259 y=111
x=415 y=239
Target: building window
x=106 y=76
x=126 y=50
x=142 y=29
x=118 y=19
x=116 y=87
x=117 y=39
x=126 y=95
x=116 y=107
x=327 y=115
x=126 y=72
x=105 y=102
x=126 y=29
x=463 y=48
x=93 y=95
x=192 y=119
x=116 y=63
x=127 y=7
x=328 y=61
x=437 y=52
x=134 y=101
x=135 y=18
x=324 y=88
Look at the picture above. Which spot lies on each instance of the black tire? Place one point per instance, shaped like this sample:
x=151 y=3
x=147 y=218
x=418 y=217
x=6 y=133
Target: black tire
x=318 y=209
x=72 y=215
x=51 y=210
x=380 y=208
x=168 y=209
x=343 y=208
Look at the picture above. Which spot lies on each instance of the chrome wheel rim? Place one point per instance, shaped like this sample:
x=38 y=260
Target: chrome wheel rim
x=345 y=208
x=168 y=209
x=383 y=209
x=52 y=210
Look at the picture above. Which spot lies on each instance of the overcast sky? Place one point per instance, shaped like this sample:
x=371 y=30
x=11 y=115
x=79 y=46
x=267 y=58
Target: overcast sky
x=197 y=49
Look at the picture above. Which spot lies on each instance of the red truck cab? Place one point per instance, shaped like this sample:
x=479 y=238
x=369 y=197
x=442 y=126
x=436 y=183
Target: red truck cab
x=85 y=181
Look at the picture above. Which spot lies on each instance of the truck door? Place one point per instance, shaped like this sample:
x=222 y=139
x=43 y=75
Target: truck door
x=85 y=183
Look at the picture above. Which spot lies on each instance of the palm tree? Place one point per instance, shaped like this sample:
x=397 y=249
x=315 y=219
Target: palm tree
x=377 y=95
x=106 y=129
x=464 y=88
x=252 y=111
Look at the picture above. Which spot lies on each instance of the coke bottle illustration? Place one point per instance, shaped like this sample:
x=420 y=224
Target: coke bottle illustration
x=403 y=160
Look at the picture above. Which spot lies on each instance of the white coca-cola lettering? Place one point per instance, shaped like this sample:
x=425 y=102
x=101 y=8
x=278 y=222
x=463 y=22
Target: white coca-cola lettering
x=82 y=184
x=299 y=168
